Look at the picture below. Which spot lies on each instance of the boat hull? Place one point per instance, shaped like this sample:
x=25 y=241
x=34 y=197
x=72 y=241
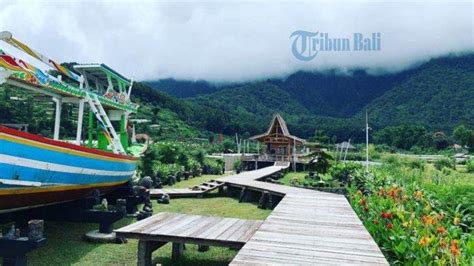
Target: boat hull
x=36 y=171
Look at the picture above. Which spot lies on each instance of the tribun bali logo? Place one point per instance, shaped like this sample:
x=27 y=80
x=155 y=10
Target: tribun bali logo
x=306 y=45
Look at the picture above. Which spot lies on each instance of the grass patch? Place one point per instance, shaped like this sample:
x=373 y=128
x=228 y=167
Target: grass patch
x=300 y=176
x=194 y=181
x=292 y=175
x=65 y=247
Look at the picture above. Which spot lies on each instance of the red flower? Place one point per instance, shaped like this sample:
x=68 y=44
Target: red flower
x=386 y=215
x=389 y=226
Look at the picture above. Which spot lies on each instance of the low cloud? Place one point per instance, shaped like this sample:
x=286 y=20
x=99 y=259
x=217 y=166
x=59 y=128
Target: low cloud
x=236 y=41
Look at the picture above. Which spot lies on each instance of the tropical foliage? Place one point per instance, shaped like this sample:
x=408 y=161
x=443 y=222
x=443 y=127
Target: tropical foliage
x=417 y=214
x=163 y=159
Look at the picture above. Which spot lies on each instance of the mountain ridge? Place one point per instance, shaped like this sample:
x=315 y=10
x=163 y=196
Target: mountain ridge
x=438 y=95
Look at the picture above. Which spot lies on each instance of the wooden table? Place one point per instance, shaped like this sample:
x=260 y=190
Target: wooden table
x=179 y=229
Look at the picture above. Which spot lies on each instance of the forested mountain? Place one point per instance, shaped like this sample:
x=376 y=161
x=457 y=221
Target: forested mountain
x=186 y=88
x=438 y=95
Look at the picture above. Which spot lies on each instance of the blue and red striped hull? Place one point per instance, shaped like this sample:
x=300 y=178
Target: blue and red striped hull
x=36 y=171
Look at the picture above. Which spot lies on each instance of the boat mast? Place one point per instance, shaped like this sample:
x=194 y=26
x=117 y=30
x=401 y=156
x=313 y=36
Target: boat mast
x=366 y=142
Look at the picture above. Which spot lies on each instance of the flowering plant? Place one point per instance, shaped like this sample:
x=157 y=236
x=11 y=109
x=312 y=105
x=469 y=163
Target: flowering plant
x=409 y=227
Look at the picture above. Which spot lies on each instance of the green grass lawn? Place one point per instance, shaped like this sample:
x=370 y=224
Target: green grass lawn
x=299 y=176
x=292 y=175
x=194 y=181
x=65 y=247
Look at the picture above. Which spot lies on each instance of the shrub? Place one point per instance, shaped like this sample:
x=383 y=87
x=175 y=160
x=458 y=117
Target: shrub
x=344 y=172
x=214 y=166
x=441 y=163
x=237 y=165
x=470 y=166
x=320 y=161
x=446 y=171
x=391 y=159
x=414 y=163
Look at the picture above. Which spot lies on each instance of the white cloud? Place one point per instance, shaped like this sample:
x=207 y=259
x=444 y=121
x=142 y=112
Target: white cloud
x=234 y=41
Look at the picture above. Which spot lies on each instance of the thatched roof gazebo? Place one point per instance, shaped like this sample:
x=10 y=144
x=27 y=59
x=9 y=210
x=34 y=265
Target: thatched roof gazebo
x=278 y=141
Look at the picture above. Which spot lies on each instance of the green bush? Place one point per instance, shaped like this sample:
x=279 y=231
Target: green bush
x=391 y=160
x=344 y=172
x=214 y=166
x=470 y=166
x=416 y=164
x=442 y=163
x=446 y=170
x=237 y=164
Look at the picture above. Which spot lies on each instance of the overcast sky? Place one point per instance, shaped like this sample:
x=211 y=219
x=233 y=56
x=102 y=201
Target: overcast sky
x=235 y=41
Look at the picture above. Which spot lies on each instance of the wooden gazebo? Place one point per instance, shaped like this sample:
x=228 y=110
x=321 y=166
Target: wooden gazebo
x=278 y=141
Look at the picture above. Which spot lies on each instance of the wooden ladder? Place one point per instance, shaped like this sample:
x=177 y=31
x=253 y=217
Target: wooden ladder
x=104 y=120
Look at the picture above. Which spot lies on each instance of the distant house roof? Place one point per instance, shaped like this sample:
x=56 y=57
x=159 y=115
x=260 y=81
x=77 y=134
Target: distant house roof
x=345 y=145
x=278 y=126
x=457 y=146
x=142 y=136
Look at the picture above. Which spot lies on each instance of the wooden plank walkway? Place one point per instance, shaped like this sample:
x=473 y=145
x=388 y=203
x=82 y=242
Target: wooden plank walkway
x=178 y=228
x=307 y=228
x=198 y=190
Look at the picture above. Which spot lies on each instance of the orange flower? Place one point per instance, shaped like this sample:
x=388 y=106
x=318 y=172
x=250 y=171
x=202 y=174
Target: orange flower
x=456 y=220
x=429 y=220
x=418 y=195
x=424 y=241
x=393 y=192
x=441 y=230
x=389 y=226
x=443 y=243
x=363 y=201
x=454 y=248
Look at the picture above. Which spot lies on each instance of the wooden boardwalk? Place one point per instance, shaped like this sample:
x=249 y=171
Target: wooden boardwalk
x=198 y=190
x=178 y=228
x=307 y=228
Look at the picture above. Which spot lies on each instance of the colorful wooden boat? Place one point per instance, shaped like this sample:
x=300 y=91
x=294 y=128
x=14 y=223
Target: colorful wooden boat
x=37 y=171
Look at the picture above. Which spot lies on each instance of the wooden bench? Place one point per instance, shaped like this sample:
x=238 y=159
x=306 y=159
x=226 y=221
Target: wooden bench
x=179 y=229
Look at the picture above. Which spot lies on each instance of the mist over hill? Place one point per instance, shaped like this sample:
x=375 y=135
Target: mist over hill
x=438 y=95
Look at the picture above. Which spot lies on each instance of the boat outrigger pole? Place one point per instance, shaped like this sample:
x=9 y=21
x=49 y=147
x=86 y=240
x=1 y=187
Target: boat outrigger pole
x=7 y=37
